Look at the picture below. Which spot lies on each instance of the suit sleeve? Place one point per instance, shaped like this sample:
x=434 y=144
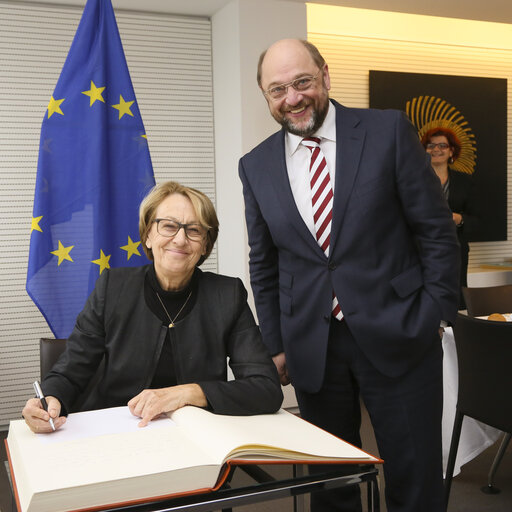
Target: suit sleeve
x=263 y=267
x=429 y=218
x=85 y=348
x=256 y=388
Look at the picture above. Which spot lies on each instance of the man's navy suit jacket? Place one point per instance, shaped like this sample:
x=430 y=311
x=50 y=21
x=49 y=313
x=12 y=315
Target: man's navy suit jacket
x=394 y=255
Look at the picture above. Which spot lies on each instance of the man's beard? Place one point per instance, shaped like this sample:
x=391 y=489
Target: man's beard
x=316 y=120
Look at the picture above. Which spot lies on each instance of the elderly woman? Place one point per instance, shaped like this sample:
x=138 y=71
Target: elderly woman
x=444 y=148
x=165 y=330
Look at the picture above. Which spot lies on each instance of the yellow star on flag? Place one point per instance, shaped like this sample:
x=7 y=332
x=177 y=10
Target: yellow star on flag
x=94 y=93
x=123 y=107
x=145 y=136
x=35 y=224
x=54 y=106
x=63 y=253
x=103 y=261
x=131 y=248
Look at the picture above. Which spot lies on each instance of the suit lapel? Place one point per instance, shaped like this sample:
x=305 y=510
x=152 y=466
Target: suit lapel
x=279 y=179
x=349 y=146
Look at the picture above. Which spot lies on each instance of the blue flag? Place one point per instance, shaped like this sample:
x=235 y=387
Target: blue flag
x=94 y=169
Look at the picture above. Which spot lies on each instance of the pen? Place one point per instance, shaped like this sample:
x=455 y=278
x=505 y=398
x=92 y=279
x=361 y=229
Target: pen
x=39 y=394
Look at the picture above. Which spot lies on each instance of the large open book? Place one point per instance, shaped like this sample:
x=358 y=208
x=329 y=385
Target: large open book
x=101 y=458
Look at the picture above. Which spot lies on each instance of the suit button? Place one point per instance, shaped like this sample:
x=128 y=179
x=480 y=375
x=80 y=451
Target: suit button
x=327 y=318
x=332 y=266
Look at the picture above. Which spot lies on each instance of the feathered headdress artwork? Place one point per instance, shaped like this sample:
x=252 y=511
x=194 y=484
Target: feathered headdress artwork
x=429 y=112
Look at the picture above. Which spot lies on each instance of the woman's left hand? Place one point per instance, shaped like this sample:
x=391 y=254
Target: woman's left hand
x=150 y=403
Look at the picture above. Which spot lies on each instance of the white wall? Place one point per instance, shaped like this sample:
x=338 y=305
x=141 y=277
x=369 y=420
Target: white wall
x=241 y=30
x=354 y=41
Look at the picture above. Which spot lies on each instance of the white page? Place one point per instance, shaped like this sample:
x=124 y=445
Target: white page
x=103 y=458
x=220 y=434
x=116 y=420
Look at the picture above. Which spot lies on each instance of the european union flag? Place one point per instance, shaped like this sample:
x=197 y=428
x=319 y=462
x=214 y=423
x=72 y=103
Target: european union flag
x=94 y=168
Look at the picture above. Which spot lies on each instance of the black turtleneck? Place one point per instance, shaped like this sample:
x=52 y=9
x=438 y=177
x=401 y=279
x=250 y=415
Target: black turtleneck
x=165 y=374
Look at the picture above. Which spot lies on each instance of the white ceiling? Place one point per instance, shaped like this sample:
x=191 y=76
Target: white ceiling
x=487 y=10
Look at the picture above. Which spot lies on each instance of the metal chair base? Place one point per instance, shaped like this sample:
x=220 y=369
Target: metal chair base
x=490 y=489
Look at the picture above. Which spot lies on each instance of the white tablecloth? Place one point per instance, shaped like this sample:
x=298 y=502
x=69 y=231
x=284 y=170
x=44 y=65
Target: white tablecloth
x=475 y=436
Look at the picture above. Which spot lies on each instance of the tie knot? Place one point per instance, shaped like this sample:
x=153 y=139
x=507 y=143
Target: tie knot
x=311 y=142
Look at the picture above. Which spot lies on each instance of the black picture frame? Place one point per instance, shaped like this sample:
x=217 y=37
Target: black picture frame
x=483 y=103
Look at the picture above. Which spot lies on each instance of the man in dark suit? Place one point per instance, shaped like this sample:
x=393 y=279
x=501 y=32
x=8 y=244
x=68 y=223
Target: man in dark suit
x=378 y=251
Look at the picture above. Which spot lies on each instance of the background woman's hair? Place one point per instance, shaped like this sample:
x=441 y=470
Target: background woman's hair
x=453 y=141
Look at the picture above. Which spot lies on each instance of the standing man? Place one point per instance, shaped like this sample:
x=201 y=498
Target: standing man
x=354 y=266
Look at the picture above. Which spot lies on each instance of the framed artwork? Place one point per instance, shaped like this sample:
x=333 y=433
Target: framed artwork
x=475 y=109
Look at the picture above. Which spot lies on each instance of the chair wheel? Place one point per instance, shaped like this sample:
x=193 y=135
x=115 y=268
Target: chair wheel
x=490 y=489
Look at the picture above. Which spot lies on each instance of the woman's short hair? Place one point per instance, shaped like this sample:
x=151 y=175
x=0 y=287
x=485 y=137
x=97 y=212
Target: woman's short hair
x=203 y=207
x=453 y=140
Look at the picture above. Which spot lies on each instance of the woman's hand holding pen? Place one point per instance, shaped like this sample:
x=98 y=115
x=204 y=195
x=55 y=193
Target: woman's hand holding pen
x=38 y=419
x=150 y=403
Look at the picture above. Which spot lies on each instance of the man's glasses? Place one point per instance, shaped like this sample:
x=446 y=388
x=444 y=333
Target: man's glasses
x=303 y=83
x=440 y=145
x=170 y=228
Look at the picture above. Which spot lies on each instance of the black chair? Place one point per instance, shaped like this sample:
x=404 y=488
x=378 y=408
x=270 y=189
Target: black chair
x=483 y=301
x=488 y=299
x=484 y=355
x=50 y=350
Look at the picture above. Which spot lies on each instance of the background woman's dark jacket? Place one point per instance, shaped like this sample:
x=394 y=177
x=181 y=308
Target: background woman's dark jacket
x=462 y=199
x=117 y=323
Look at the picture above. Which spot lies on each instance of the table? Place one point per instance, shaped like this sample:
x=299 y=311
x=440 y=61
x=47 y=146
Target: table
x=475 y=436
x=267 y=487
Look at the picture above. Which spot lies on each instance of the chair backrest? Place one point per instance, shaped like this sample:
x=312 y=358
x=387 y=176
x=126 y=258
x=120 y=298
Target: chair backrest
x=484 y=355
x=50 y=350
x=488 y=299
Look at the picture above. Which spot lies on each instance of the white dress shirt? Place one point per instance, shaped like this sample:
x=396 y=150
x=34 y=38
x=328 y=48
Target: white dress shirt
x=298 y=157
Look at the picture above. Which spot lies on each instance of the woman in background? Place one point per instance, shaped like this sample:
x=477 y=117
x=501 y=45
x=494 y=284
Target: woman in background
x=458 y=187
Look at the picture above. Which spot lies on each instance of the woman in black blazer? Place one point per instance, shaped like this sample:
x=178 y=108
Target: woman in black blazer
x=165 y=331
x=444 y=148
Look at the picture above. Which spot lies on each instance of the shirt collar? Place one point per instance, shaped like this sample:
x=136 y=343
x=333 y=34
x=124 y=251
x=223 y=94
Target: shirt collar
x=326 y=131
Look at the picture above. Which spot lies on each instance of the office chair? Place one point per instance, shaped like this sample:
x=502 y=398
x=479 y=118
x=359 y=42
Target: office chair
x=484 y=355
x=488 y=299
x=50 y=350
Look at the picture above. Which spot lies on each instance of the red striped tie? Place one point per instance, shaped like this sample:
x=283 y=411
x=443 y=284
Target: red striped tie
x=322 y=200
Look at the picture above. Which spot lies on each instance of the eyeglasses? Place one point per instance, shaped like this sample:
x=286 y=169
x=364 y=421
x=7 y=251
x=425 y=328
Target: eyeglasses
x=170 y=228
x=440 y=145
x=299 y=84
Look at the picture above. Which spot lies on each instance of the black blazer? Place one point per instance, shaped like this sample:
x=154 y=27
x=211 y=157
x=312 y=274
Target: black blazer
x=394 y=256
x=117 y=324
x=462 y=199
